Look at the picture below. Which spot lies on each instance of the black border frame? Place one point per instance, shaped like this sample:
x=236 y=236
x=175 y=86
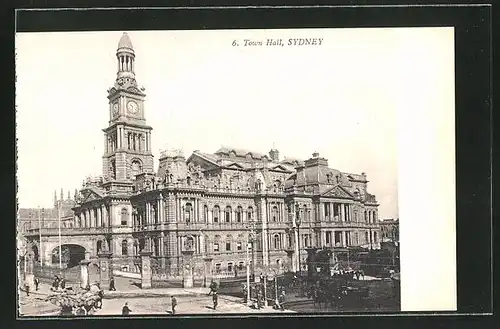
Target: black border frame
x=474 y=126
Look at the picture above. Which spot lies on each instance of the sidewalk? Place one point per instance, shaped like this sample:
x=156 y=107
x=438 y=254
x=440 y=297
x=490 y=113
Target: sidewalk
x=155 y=292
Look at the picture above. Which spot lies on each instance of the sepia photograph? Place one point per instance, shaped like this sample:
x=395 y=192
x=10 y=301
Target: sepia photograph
x=219 y=172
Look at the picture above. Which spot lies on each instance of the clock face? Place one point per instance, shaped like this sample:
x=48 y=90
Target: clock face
x=132 y=107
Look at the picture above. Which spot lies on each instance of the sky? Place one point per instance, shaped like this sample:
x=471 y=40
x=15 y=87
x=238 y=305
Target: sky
x=337 y=99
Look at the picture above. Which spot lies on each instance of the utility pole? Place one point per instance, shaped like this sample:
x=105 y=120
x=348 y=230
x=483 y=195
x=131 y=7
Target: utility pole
x=40 y=252
x=248 y=272
x=60 y=246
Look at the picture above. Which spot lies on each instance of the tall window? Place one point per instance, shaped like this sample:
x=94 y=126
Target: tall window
x=124 y=217
x=250 y=214
x=227 y=214
x=228 y=243
x=99 y=246
x=277 y=242
x=217 y=268
x=239 y=214
x=188 y=208
x=374 y=237
x=229 y=267
x=367 y=238
x=216 y=214
x=238 y=246
x=124 y=248
x=216 y=247
x=136 y=168
x=205 y=213
x=328 y=237
x=274 y=214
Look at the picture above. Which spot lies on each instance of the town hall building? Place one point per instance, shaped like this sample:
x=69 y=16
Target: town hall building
x=215 y=205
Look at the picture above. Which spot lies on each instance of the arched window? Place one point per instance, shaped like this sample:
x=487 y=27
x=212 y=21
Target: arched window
x=366 y=217
x=216 y=243
x=188 y=180
x=250 y=214
x=99 y=246
x=188 y=209
x=136 y=167
x=239 y=214
x=306 y=241
x=274 y=214
x=277 y=244
x=205 y=213
x=124 y=217
x=227 y=214
x=113 y=169
x=216 y=214
x=124 y=248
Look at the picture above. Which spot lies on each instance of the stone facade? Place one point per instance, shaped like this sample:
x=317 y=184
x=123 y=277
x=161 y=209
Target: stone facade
x=218 y=203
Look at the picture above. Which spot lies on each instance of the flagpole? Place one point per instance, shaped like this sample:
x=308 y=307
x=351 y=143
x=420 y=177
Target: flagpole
x=40 y=252
x=60 y=247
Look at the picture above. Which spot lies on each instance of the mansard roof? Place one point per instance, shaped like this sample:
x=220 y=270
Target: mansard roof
x=242 y=153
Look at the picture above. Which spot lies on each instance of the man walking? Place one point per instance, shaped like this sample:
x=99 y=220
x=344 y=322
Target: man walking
x=112 y=284
x=213 y=288
x=37 y=282
x=215 y=299
x=174 y=304
x=126 y=310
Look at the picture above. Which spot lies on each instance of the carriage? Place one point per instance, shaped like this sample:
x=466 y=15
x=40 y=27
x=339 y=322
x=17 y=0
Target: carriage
x=78 y=302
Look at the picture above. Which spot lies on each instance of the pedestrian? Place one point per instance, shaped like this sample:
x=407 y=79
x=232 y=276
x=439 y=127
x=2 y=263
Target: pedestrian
x=37 y=282
x=55 y=283
x=282 y=300
x=215 y=299
x=174 y=304
x=213 y=287
x=112 y=284
x=125 y=309
x=62 y=284
x=27 y=288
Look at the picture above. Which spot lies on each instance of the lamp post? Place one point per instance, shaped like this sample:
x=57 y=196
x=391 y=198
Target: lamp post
x=60 y=246
x=297 y=224
x=249 y=227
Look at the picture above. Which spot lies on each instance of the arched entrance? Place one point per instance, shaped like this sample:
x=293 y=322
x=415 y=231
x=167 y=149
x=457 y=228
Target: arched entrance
x=72 y=254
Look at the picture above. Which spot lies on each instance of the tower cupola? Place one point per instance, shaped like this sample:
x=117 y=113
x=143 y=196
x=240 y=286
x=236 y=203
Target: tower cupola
x=126 y=56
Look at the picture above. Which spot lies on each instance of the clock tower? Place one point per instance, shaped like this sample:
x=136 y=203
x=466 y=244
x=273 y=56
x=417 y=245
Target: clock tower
x=127 y=139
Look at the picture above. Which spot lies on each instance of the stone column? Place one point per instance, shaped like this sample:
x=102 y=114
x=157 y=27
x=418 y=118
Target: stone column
x=207 y=274
x=84 y=273
x=99 y=217
x=106 y=268
x=146 y=273
x=30 y=276
x=187 y=273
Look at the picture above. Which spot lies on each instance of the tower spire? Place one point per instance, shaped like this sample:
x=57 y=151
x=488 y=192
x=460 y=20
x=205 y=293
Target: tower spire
x=125 y=55
x=55 y=197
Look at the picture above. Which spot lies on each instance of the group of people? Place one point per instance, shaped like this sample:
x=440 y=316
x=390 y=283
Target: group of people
x=58 y=283
x=36 y=282
x=173 y=302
